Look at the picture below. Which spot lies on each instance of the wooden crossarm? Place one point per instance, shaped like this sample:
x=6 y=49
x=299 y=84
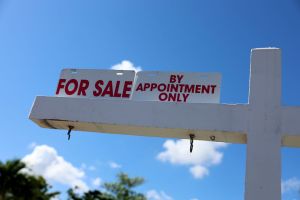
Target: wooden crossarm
x=173 y=120
x=290 y=125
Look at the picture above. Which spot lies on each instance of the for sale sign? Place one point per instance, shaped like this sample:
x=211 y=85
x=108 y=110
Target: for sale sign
x=92 y=83
x=143 y=86
x=177 y=87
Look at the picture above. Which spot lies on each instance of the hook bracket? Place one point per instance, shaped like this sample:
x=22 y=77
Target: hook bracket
x=69 y=132
x=192 y=136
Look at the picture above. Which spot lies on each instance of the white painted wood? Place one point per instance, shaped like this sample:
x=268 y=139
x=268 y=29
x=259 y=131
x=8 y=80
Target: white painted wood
x=263 y=167
x=290 y=122
x=143 y=118
x=290 y=126
x=262 y=123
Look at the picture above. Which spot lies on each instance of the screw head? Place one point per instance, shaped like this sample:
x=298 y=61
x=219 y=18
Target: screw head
x=212 y=138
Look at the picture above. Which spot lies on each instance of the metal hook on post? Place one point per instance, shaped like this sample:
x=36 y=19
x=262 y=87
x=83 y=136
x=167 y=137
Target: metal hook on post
x=192 y=136
x=69 y=131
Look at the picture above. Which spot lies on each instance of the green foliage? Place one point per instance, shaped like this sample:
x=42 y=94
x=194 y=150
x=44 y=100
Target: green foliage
x=90 y=195
x=123 y=189
x=15 y=185
x=120 y=190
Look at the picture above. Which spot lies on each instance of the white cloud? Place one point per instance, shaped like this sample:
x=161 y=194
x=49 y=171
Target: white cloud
x=96 y=182
x=32 y=145
x=292 y=184
x=126 y=65
x=84 y=166
x=204 y=155
x=45 y=161
x=199 y=171
x=154 y=195
x=114 y=165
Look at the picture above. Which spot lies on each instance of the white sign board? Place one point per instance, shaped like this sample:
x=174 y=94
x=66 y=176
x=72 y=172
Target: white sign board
x=91 y=83
x=143 y=86
x=177 y=87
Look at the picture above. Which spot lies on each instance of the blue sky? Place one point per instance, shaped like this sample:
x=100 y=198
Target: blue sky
x=39 y=38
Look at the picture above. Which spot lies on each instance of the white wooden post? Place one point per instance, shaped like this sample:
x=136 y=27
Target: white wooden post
x=263 y=124
x=263 y=168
